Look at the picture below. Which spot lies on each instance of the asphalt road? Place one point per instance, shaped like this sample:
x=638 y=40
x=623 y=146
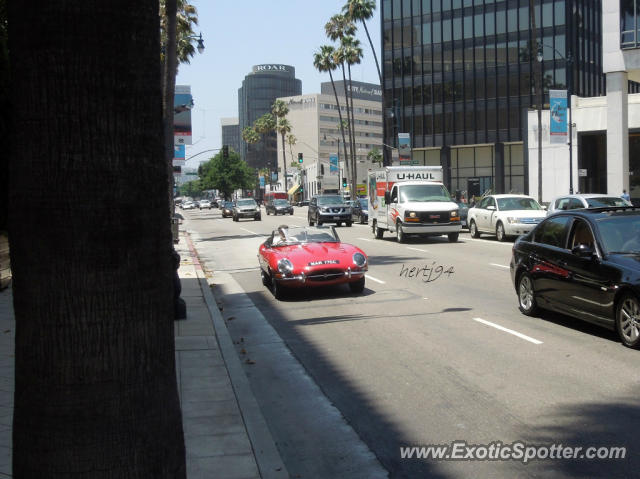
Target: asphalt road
x=419 y=361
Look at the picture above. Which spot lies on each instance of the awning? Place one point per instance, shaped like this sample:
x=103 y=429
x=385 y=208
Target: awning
x=293 y=189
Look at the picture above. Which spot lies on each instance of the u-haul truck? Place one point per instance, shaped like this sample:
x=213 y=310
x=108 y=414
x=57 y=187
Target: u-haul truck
x=411 y=200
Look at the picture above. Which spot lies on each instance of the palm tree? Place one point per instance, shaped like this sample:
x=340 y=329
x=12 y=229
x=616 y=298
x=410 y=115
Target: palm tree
x=291 y=140
x=339 y=57
x=283 y=127
x=95 y=378
x=323 y=61
x=361 y=10
x=263 y=126
x=186 y=18
x=352 y=56
x=280 y=110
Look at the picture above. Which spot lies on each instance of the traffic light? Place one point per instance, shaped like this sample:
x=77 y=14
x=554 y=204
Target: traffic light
x=225 y=151
x=300 y=158
x=344 y=182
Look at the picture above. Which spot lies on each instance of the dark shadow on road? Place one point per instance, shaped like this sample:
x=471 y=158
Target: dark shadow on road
x=578 y=325
x=375 y=427
x=593 y=424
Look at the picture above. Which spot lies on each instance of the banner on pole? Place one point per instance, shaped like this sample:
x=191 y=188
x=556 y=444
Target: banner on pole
x=333 y=165
x=404 y=148
x=558 y=116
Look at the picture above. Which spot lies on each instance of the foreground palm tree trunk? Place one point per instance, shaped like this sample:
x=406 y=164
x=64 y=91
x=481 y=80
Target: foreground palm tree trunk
x=95 y=381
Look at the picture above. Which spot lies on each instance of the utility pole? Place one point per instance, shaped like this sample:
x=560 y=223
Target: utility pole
x=538 y=88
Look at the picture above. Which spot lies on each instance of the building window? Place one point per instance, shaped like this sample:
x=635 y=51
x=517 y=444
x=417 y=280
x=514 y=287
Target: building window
x=629 y=26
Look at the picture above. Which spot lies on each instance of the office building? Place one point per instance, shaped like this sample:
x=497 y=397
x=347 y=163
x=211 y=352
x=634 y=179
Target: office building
x=458 y=75
x=259 y=90
x=230 y=129
x=315 y=123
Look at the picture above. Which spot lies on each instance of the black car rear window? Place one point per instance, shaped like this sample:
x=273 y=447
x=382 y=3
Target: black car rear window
x=551 y=231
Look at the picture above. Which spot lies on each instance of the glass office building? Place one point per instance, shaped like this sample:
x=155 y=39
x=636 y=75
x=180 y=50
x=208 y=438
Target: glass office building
x=259 y=90
x=459 y=76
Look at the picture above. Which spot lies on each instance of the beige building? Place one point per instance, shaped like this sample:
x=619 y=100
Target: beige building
x=316 y=125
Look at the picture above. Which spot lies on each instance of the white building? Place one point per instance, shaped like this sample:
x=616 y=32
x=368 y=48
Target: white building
x=315 y=123
x=606 y=132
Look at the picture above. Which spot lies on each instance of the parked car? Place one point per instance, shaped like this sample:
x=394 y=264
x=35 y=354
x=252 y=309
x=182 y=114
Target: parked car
x=189 y=205
x=360 y=210
x=302 y=203
x=504 y=216
x=246 y=208
x=323 y=260
x=202 y=204
x=278 y=207
x=590 y=200
x=584 y=263
x=328 y=209
x=227 y=209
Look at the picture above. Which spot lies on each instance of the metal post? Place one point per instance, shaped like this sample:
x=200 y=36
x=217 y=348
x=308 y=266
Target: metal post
x=569 y=63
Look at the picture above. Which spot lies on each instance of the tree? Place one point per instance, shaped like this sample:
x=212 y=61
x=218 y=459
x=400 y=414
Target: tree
x=352 y=55
x=291 y=141
x=323 y=61
x=186 y=18
x=226 y=174
x=280 y=110
x=375 y=156
x=5 y=117
x=95 y=380
x=362 y=10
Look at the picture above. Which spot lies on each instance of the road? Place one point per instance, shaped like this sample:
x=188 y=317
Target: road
x=419 y=361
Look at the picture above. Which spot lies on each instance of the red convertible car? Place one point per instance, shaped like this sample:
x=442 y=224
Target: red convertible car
x=308 y=256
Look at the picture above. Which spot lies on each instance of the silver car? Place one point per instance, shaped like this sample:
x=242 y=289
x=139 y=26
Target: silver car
x=589 y=200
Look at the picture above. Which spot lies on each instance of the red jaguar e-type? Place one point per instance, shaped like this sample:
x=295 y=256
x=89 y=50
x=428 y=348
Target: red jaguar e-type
x=307 y=256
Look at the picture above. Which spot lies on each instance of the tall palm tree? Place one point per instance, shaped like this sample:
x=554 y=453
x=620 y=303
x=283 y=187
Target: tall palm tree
x=280 y=110
x=263 y=126
x=283 y=127
x=339 y=57
x=352 y=56
x=95 y=378
x=362 y=10
x=323 y=61
x=291 y=140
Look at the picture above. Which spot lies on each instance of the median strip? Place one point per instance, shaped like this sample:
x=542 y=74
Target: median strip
x=506 y=330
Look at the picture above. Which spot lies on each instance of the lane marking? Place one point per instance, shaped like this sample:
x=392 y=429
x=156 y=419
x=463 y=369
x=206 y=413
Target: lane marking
x=506 y=330
x=365 y=239
x=499 y=265
x=417 y=249
x=490 y=242
x=375 y=279
x=252 y=232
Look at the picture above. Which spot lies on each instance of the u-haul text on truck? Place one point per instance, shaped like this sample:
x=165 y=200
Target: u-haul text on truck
x=411 y=200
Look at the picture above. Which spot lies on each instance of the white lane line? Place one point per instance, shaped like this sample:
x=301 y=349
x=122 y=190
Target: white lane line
x=375 y=279
x=365 y=239
x=417 y=249
x=506 y=330
x=499 y=265
x=490 y=242
x=252 y=232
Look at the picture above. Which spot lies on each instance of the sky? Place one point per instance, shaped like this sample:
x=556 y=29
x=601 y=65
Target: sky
x=240 y=34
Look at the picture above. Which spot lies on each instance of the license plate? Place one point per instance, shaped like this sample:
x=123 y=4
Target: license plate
x=336 y=217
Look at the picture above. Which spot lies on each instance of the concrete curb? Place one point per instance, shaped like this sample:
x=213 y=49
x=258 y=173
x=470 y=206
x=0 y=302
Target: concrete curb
x=266 y=453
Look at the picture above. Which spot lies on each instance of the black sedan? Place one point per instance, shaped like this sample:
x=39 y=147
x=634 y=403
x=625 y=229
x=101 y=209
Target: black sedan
x=585 y=264
x=227 y=209
x=279 y=207
x=360 y=210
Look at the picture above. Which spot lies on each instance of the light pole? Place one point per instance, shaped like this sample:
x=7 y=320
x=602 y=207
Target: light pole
x=200 y=46
x=569 y=66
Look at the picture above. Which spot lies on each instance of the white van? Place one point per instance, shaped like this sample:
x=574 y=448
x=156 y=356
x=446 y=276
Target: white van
x=411 y=200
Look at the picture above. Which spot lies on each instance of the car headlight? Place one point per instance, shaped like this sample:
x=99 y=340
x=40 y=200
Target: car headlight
x=512 y=220
x=411 y=214
x=324 y=210
x=359 y=259
x=454 y=213
x=257 y=208
x=285 y=266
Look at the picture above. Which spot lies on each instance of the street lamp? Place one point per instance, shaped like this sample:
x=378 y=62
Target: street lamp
x=200 y=46
x=569 y=66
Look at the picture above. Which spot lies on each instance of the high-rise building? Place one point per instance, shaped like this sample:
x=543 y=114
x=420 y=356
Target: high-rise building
x=259 y=90
x=230 y=133
x=458 y=75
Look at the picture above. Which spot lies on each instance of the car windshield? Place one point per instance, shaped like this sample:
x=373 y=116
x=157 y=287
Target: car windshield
x=286 y=235
x=281 y=202
x=412 y=193
x=228 y=204
x=246 y=203
x=364 y=203
x=620 y=233
x=517 y=203
x=606 y=201
x=330 y=200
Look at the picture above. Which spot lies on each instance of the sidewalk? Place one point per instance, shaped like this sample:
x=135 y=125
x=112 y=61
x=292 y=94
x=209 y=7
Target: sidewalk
x=226 y=436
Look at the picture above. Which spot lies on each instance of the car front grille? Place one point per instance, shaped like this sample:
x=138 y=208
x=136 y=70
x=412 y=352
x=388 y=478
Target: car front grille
x=530 y=221
x=337 y=210
x=434 y=216
x=325 y=275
